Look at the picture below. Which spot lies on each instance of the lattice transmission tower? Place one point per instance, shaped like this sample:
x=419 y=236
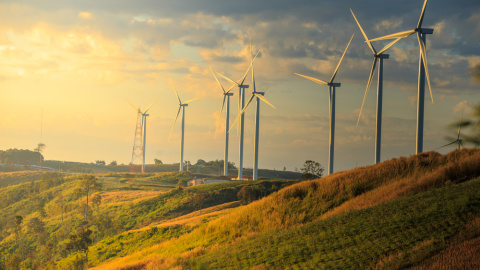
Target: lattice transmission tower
x=136 y=165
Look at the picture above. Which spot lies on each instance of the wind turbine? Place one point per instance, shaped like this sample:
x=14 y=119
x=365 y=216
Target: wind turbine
x=458 y=140
x=422 y=71
x=241 y=103
x=332 y=87
x=138 y=135
x=181 y=107
x=259 y=96
x=226 y=97
x=377 y=56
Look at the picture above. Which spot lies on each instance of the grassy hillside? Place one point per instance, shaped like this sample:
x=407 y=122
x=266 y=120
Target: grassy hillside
x=391 y=215
x=52 y=211
x=420 y=212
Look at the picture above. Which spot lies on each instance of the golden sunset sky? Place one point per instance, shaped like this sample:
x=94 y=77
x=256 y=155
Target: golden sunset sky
x=79 y=61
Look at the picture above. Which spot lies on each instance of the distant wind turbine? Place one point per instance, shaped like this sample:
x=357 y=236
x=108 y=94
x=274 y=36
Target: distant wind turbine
x=241 y=105
x=332 y=86
x=181 y=107
x=376 y=56
x=259 y=96
x=422 y=71
x=458 y=140
x=139 y=139
x=226 y=97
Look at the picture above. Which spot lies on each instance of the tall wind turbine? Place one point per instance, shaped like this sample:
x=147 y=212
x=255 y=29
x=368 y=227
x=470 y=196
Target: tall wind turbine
x=332 y=87
x=422 y=71
x=140 y=141
x=180 y=107
x=259 y=96
x=458 y=140
x=226 y=97
x=241 y=103
x=377 y=56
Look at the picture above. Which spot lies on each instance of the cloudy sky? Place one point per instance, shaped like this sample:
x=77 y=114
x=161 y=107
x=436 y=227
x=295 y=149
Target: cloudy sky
x=79 y=61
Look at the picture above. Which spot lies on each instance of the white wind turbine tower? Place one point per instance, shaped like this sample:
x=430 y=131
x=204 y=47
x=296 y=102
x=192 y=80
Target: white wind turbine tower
x=181 y=107
x=422 y=71
x=138 y=133
x=241 y=105
x=458 y=140
x=259 y=96
x=332 y=87
x=377 y=56
x=226 y=97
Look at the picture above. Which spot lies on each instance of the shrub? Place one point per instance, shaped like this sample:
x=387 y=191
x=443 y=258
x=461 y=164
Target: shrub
x=246 y=195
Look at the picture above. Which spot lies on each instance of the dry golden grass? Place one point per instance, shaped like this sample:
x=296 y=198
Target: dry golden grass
x=321 y=198
x=461 y=256
x=127 y=196
x=196 y=218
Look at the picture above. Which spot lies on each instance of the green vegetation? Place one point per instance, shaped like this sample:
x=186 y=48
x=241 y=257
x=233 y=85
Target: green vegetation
x=44 y=224
x=405 y=212
x=391 y=215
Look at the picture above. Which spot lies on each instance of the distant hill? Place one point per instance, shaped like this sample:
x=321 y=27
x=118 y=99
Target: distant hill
x=153 y=168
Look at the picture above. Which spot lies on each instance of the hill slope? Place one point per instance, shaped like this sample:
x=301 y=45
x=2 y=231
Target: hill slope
x=390 y=215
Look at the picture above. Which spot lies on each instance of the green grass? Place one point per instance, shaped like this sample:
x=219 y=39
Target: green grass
x=408 y=229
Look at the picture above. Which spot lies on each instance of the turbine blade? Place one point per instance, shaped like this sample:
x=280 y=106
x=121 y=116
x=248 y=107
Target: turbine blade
x=368 y=86
x=447 y=144
x=364 y=35
x=423 y=51
x=312 y=79
x=188 y=101
x=171 y=131
x=151 y=104
x=339 y=62
x=240 y=82
x=231 y=88
x=136 y=109
x=243 y=111
x=420 y=21
x=174 y=89
x=217 y=80
x=396 y=35
x=264 y=100
x=228 y=79
x=388 y=46
x=461 y=144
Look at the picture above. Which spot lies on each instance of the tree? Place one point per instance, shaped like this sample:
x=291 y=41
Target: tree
x=80 y=242
x=201 y=162
x=37 y=226
x=311 y=170
x=100 y=162
x=18 y=224
x=89 y=183
x=18 y=230
x=246 y=195
x=39 y=150
x=182 y=183
x=157 y=161
x=113 y=163
x=97 y=200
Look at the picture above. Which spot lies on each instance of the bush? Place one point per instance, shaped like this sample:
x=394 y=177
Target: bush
x=246 y=195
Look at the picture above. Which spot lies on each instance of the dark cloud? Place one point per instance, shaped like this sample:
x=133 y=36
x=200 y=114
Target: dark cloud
x=475 y=72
